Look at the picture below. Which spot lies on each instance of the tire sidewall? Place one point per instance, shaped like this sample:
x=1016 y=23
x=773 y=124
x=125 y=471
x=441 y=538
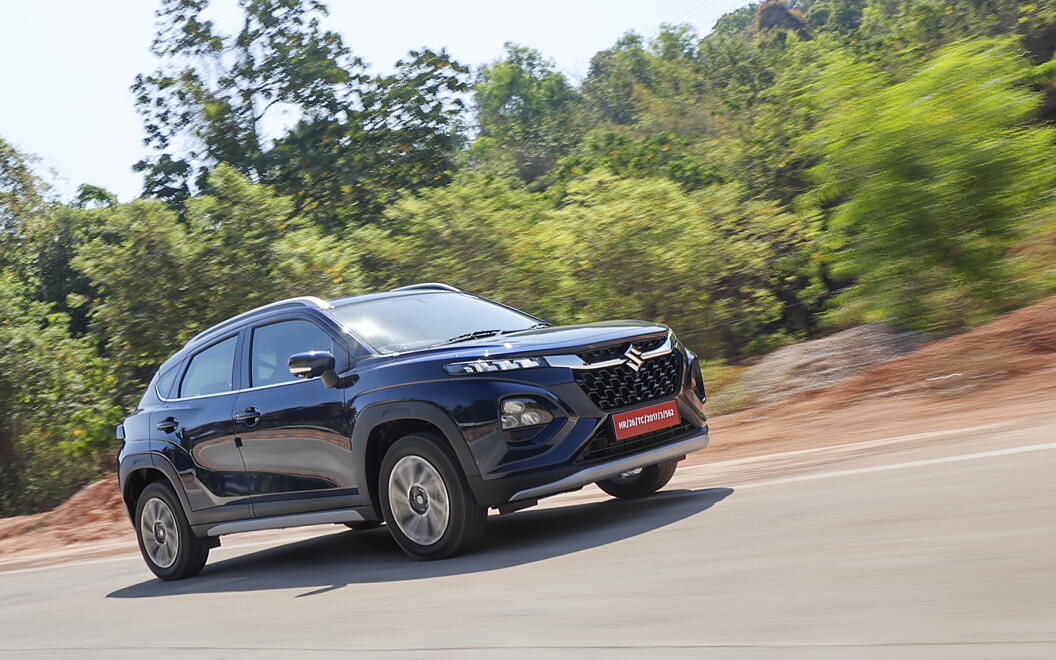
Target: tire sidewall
x=189 y=555
x=463 y=507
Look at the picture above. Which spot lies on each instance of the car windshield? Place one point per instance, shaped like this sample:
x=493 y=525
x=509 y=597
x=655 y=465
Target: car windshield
x=407 y=322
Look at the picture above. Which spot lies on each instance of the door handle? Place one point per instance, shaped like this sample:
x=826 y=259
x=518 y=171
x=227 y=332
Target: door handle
x=249 y=416
x=167 y=425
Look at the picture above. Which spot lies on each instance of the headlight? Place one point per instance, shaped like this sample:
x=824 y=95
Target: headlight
x=484 y=366
x=521 y=413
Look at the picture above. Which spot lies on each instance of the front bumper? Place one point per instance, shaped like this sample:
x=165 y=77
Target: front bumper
x=678 y=449
x=577 y=448
x=567 y=476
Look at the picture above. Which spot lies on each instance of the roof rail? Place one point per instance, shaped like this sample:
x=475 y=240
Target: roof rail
x=428 y=285
x=306 y=301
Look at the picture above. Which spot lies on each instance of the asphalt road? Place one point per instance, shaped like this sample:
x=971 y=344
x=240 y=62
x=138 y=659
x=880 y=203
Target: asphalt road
x=942 y=547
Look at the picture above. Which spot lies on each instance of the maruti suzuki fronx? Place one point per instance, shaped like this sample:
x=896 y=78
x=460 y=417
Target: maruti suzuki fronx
x=422 y=408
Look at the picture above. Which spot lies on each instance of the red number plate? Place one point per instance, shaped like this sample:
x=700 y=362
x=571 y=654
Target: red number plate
x=643 y=420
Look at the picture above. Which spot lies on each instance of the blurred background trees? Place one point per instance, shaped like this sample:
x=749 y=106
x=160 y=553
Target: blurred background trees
x=926 y=183
x=806 y=166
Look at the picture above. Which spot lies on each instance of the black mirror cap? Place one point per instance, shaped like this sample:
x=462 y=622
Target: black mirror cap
x=311 y=364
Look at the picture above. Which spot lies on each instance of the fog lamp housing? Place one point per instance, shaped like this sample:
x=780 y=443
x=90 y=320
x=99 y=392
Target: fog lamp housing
x=521 y=412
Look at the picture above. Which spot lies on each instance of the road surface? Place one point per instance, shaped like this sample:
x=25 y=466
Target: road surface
x=939 y=546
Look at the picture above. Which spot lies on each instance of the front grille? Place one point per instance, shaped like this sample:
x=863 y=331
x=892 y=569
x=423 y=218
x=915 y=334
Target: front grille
x=616 y=350
x=620 y=386
x=603 y=444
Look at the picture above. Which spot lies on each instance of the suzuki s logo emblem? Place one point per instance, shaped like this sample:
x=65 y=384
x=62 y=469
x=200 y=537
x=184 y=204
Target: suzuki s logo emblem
x=632 y=358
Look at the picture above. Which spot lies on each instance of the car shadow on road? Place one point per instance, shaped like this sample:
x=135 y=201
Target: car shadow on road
x=335 y=561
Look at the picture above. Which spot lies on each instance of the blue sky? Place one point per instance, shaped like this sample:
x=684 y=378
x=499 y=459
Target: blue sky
x=67 y=64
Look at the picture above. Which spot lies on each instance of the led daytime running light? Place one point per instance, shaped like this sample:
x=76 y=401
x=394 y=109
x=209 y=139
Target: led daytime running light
x=486 y=366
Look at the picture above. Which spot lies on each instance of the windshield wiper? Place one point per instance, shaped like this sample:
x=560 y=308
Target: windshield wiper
x=533 y=327
x=476 y=334
x=480 y=334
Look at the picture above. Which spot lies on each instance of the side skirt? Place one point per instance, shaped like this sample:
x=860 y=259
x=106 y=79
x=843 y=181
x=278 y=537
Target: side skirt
x=282 y=522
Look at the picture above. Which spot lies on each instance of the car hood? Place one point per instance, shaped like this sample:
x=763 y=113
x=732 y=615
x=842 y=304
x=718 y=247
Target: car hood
x=540 y=341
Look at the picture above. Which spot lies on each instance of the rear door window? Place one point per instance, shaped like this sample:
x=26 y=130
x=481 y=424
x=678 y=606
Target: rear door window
x=211 y=371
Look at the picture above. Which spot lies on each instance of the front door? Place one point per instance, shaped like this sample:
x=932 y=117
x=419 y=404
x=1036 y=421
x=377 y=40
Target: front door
x=295 y=440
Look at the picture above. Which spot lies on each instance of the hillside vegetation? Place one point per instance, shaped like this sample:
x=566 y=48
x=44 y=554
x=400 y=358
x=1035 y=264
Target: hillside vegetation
x=803 y=168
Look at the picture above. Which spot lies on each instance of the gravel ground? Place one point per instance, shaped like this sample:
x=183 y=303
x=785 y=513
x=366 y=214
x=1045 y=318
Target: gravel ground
x=818 y=363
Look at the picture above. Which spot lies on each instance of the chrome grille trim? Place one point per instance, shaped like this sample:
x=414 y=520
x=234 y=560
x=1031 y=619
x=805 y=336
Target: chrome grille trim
x=573 y=361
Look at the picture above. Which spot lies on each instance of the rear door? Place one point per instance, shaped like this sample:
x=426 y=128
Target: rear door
x=195 y=422
x=295 y=439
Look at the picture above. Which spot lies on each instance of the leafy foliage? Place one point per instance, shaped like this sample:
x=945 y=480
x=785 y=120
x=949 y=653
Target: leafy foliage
x=928 y=180
x=707 y=262
x=21 y=191
x=527 y=113
x=356 y=138
x=663 y=154
x=57 y=409
x=236 y=250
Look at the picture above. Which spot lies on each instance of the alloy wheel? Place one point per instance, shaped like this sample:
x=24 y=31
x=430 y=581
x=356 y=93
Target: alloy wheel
x=161 y=539
x=419 y=500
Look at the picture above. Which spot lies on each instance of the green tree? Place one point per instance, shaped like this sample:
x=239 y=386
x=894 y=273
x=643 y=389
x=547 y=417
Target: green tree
x=528 y=115
x=50 y=240
x=214 y=90
x=482 y=234
x=927 y=181
x=656 y=84
x=56 y=405
x=404 y=134
x=627 y=155
x=161 y=280
x=615 y=76
x=707 y=263
x=357 y=137
x=839 y=16
x=22 y=194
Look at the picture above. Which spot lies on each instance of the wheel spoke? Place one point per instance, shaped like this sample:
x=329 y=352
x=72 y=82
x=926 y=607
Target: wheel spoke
x=404 y=516
x=416 y=526
x=401 y=480
x=418 y=470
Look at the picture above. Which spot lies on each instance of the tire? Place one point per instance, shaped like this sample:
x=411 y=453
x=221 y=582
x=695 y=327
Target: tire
x=645 y=481
x=427 y=505
x=166 y=559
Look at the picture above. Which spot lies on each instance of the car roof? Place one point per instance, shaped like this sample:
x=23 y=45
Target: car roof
x=402 y=291
x=303 y=302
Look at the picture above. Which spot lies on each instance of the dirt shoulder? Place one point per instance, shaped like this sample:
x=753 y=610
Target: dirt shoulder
x=1005 y=370
x=809 y=424
x=1002 y=372
x=91 y=523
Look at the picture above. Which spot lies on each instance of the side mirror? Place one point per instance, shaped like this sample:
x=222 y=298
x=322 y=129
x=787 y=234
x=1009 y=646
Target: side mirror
x=311 y=364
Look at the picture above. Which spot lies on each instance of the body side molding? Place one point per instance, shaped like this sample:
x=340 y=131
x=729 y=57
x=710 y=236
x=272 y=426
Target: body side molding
x=281 y=522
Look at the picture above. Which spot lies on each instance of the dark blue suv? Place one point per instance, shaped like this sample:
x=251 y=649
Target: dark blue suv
x=421 y=408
